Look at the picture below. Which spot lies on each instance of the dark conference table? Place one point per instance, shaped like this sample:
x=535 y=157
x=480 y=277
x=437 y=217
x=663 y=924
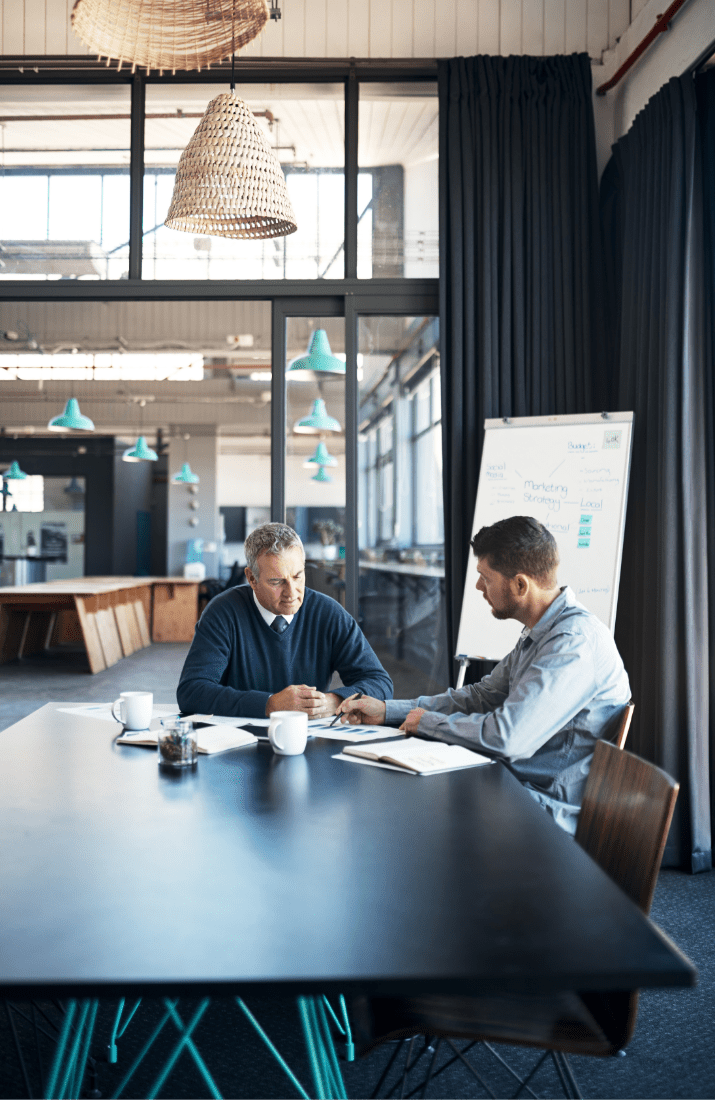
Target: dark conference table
x=298 y=874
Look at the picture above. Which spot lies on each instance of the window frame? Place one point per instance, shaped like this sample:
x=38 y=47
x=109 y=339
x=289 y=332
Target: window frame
x=349 y=296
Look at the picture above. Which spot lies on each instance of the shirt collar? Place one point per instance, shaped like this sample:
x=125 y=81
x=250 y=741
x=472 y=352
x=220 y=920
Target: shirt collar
x=269 y=616
x=564 y=599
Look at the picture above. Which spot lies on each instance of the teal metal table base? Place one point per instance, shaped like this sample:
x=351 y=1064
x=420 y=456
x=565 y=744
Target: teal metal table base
x=316 y=1014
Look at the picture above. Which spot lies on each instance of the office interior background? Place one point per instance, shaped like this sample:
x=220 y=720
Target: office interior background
x=186 y=339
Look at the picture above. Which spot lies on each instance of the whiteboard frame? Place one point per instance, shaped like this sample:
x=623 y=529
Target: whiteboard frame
x=506 y=423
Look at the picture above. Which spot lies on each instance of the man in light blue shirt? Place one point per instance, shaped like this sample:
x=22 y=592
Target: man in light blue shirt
x=545 y=705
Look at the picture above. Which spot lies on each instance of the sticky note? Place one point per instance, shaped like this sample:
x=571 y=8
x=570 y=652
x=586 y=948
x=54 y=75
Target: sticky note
x=584 y=542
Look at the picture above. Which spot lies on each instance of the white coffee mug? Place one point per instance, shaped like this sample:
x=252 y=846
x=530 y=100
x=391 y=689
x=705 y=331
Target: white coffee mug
x=135 y=709
x=288 y=732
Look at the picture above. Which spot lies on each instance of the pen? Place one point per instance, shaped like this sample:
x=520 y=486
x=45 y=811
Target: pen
x=357 y=695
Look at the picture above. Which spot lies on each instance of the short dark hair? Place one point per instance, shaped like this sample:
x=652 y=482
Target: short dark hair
x=519 y=544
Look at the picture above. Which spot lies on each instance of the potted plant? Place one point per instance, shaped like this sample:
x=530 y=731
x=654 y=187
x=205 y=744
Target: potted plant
x=329 y=533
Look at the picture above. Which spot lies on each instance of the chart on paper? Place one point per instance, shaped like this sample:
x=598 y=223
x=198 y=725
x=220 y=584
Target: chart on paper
x=570 y=473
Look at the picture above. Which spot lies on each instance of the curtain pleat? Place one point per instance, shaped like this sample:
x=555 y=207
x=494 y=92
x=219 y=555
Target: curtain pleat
x=521 y=283
x=652 y=194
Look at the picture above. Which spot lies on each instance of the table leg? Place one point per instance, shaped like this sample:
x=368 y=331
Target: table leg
x=70 y=1059
x=327 y=1078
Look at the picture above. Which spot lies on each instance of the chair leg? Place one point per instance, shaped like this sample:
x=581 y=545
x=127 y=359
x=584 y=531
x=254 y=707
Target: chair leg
x=566 y=1075
x=433 y=1060
x=386 y=1071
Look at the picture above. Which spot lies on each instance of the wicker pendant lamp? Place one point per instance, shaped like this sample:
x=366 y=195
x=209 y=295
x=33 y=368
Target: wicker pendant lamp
x=229 y=182
x=168 y=34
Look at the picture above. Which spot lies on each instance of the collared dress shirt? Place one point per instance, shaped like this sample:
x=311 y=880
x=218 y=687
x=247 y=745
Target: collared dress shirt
x=269 y=616
x=542 y=709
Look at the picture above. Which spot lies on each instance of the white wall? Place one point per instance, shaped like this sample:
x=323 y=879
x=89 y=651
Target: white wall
x=245 y=480
x=671 y=54
x=200 y=452
x=422 y=219
x=372 y=28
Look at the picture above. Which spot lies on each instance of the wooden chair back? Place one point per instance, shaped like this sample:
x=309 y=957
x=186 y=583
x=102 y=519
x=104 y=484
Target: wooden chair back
x=625 y=816
x=626 y=718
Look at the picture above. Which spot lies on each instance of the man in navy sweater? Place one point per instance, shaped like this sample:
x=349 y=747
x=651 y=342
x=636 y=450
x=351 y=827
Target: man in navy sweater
x=275 y=645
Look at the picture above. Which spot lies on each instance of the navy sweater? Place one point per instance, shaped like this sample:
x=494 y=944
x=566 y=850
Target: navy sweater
x=236 y=661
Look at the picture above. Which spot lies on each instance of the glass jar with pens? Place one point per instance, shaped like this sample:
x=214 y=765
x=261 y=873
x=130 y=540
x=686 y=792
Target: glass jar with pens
x=177 y=746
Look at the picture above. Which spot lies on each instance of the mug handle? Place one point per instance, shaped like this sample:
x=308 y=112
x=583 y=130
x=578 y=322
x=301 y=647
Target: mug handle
x=277 y=743
x=120 y=720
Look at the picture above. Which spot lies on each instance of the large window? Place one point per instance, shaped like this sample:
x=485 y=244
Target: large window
x=398 y=227
x=64 y=182
x=401 y=526
x=304 y=125
x=186 y=338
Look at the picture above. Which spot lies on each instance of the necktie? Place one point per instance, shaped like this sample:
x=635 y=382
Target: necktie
x=279 y=624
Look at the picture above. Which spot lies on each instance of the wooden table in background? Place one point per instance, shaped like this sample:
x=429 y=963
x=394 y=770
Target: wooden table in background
x=111 y=616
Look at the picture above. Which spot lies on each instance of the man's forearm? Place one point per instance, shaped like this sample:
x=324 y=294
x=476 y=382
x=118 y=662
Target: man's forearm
x=198 y=696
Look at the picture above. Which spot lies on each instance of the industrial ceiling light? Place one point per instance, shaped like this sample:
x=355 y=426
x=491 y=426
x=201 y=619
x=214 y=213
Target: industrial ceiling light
x=14 y=473
x=320 y=458
x=317 y=421
x=185 y=476
x=140 y=452
x=321 y=475
x=168 y=34
x=229 y=182
x=319 y=360
x=71 y=420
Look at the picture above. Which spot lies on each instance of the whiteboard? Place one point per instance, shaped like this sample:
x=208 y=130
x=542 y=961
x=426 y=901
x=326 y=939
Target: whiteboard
x=570 y=473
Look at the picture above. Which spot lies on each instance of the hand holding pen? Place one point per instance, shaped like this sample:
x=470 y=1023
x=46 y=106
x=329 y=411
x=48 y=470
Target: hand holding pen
x=357 y=695
x=368 y=711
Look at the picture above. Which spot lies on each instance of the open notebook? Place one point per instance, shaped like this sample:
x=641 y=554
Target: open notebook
x=414 y=755
x=210 y=738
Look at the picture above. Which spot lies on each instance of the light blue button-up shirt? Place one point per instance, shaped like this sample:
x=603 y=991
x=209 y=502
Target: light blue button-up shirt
x=541 y=710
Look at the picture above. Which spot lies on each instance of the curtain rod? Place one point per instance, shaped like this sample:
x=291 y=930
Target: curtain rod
x=661 y=25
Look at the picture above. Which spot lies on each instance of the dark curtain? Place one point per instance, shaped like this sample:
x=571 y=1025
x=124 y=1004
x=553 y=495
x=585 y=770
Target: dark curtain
x=705 y=92
x=521 y=307
x=655 y=225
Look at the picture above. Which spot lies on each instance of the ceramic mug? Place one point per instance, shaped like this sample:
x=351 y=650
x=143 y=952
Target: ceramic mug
x=135 y=709
x=288 y=732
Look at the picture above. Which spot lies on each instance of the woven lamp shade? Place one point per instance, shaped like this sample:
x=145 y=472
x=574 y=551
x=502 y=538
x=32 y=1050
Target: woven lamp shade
x=229 y=182
x=168 y=34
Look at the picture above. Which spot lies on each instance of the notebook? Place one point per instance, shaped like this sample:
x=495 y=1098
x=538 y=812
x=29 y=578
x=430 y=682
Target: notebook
x=414 y=756
x=210 y=739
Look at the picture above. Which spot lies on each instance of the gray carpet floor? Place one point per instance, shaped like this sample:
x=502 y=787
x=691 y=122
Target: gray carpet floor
x=672 y=1053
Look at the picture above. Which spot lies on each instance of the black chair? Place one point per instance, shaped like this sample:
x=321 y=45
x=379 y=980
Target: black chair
x=626 y=813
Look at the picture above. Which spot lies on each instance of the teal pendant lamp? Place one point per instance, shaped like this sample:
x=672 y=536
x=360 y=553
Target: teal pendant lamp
x=71 y=419
x=185 y=476
x=140 y=452
x=320 y=458
x=319 y=361
x=321 y=475
x=317 y=421
x=14 y=473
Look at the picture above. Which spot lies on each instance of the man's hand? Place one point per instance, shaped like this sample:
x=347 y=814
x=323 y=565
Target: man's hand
x=302 y=697
x=412 y=720
x=364 y=711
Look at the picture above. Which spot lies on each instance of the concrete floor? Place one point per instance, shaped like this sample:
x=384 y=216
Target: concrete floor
x=64 y=677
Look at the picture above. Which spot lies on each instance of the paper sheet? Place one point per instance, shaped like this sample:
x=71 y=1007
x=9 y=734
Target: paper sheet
x=354 y=734
x=104 y=711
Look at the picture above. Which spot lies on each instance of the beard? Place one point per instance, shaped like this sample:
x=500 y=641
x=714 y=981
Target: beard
x=506 y=612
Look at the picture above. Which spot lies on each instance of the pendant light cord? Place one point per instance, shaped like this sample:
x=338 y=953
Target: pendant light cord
x=233 y=46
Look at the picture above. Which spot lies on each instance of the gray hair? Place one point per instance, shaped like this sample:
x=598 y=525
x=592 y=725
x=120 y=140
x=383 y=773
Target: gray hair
x=270 y=538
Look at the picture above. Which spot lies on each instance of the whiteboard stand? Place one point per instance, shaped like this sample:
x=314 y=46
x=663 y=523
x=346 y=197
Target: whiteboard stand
x=570 y=472
x=464 y=662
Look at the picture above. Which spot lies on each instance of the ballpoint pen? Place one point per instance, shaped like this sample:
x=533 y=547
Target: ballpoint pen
x=357 y=695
